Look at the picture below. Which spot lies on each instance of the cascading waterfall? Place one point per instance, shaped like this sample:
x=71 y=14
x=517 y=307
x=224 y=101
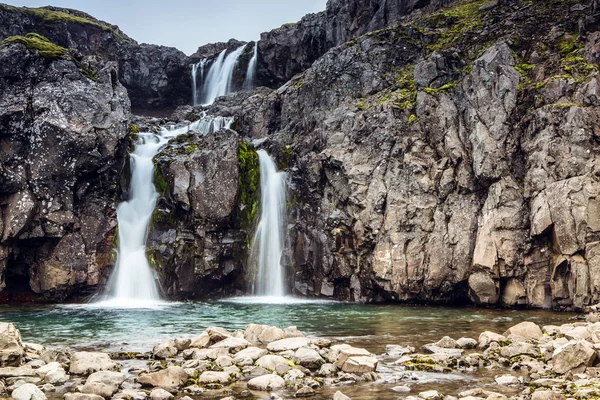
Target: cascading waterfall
x=132 y=283
x=200 y=65
x=220 y=76
x=251 y=72
x=268 y=241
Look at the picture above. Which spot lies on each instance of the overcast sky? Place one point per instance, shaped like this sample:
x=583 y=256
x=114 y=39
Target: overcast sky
x=188 y=24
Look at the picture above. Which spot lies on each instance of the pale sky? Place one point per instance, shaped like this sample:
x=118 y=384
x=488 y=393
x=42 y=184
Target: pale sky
x=188 y=24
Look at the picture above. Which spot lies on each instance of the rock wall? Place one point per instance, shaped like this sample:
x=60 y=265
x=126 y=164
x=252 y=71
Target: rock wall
x=446 y=161
x=63 y=135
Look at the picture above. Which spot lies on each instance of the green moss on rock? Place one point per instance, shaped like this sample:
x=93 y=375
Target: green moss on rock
x=248 y=188
x=39 y=44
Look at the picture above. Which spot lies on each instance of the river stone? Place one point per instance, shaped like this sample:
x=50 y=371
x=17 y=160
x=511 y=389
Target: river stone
x=397 y=350
x=572 y=355
x=201 y=341
x=253 y=372
x=266 y=383
x=214 y=377
x=467 y=343
x=517 y=349
x=264 y=334
x=56 y=376
x=340 y=396
x=28 y=391
x=253 y=353
x=293 y=343
x=546 y=395
x=83 y=396
x=205 y=354
x=308 y=358
x=170 y=378
x=447 y=343
x=11 y=372
x=448 y=352
x=487 y=337
x=292 y=332
x=165 y=350
x=575 y=332
x=430 y=395
x=506 y=380
x=274 y=363
x=306 y=391
x=232 y=344
x=85 y=363
x=527 y=330
x=217 y=334
x=327 y=369
x=224 y=361
x=160 y=394
x=293 y=375
x=11 y=346
x=344 y=352
x=360 y=364
x=103 y=383
x=130 y=394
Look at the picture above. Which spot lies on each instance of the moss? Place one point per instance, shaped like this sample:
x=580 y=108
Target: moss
x=441 y=89
x=134 y=129
x=289 y=25
x=411 y=119
x=39 y=44
x=248 y=188
x=298 y=84
x=566 y=45
x=160 y=182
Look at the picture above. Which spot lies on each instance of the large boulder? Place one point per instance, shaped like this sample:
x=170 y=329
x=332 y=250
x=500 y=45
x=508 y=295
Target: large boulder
x=527 y=330
x=572 y=355
x=103 y=383
x=170 y=379
x=11 y=346
x=86 y=363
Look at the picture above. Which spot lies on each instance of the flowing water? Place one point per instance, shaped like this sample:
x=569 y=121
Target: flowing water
x=201 y=65
x=267 y=246
x=220 y=76
x=249 y=82
x=132 y=283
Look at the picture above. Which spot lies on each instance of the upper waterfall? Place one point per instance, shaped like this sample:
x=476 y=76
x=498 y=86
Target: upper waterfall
x=268 y=243
x=220 y=76
x=249 y=82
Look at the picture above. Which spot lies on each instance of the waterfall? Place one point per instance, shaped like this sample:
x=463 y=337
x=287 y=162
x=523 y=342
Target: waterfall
x=268 y=241
x=201 y=64
x=249 y=82
x=132 y=283
x=220 y=76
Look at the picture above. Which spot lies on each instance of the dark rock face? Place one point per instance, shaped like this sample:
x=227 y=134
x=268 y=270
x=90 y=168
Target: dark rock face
x=156 y=77
x=429 y=168
x=63 y=141
x=197 y=242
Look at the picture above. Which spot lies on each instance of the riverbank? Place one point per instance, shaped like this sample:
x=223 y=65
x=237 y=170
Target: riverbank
x=525 y=361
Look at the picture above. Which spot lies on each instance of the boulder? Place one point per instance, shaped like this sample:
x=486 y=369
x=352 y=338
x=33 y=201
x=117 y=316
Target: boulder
x=253 y=353
x=165 y=350
x=160 y=394
x=264 y=334
x=572 y=355
x=360 y=364
x=267 y=383
x=11 y=346
x=305 y=391
x=170 y=379
x=486 y=338
x=28 y=391
x=308 y=358
x=518 y=349
x=85 y=363
x=507 y=380
x=103 y=383
x=293 y=343
x=466 y=343
x=274 y=363
x=527 y=330
x=232 y=344
x=214 y=377
x=447 y=343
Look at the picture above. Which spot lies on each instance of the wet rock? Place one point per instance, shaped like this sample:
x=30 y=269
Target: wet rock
x=431 y=395
x=340 y=396
x=360 y=364
x=526 y=330
x=28 y=391
x=396 y=350
x=85 y=363
x=447 y=343
x=507 y=380
x=170 y=379
x=11 y=346
x=160 y=394
x=305 y=392
x=266 y=383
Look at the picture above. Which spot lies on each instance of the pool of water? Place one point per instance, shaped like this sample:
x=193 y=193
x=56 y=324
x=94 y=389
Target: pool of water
x=370 y=326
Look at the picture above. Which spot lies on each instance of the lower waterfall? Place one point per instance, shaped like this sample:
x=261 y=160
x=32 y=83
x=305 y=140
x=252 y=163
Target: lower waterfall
x=268 y=243
x=132 y=282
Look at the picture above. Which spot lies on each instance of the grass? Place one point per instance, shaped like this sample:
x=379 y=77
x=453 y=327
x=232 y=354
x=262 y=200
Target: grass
x=39 y=44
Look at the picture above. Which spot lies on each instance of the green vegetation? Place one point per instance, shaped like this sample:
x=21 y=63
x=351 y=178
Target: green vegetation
x=248 y=188
x=412 y=118
x=160 y=183
x=298 y=84
x=39 y=44
x=441 y=89
x=134 y=129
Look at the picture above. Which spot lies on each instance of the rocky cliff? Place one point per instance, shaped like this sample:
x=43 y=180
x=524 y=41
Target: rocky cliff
x=449 y=158
x=64 y=125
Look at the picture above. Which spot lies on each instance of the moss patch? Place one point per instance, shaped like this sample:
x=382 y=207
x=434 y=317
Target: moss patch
x=248 y=188
x=39 y=44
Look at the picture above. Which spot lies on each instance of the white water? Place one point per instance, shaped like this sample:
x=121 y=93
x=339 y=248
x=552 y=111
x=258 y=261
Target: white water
x=251 y=72
x=220 y=76
x=132 y=283
x=201 y=64
x=268 y=242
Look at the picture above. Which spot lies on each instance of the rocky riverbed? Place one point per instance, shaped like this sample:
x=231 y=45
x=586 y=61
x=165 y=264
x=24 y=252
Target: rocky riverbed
x=527 y=361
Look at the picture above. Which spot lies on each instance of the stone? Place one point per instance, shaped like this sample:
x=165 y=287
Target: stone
x=56 y=377
x=170 y=379
x=214 y=377
x=327 y=369
x=467 y=343
x=507 y=380
x=308 y=358
x=165 y=350
x=430 y=395
x=572 y=355
x=85 y=363
x=253 y=353
x=547 y=395
x=486 y=338
x=224 y=361
x=518 y=349
x=232 y=344
x=103 y=383
x=340 y=396
x=11 y=346
x=401 y=389
x=527 y=330
x=160 y=394
x=130 y=394
x=292 y=332
x=274 y=363
x=360 y=364
x=263 y=334
x=293 y=343
x=28 y=391
x=306 y=391
x=447 y=343
x=396 y=350
x=82 y=396
x=266 y=383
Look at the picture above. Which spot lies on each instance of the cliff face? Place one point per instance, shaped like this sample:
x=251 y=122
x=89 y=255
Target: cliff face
x=156 y=77
x=452 y=158
x=63 y=139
